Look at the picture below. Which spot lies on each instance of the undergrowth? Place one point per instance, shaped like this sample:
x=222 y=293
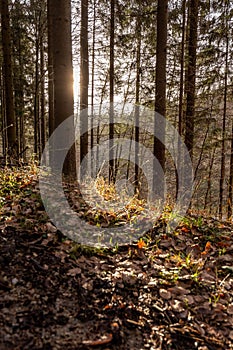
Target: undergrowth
x=14 y=181
x=18 y=182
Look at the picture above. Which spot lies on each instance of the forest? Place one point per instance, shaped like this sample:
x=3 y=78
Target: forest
x=116 y=174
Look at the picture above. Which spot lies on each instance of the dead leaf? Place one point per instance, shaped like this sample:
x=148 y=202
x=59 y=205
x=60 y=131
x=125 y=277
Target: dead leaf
x=50 y=227
x=75 y=271
x=165 y=294
x=177 y=305
x=88 y=285
x=178 y=290
x=230 y=309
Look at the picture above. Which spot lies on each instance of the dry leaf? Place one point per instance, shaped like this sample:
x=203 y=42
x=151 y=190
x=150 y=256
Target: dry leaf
x=165 y=294
x=74 y=272
x=177 y=305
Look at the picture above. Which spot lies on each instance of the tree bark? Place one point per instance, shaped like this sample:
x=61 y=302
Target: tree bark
x=111 y=83
x=84 y=80
x=3 y=116
x=50 y=5
x=63 y=103
x=223 y=157
x=230 y=189
x=36 y=96
x=42 y=98
x=93 y=81
x=160 y=92
x=12 y=147
x=181 y=92
x=191 y=75
x=137 y=99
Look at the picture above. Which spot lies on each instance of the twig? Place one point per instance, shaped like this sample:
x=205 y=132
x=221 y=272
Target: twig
x=105 y=340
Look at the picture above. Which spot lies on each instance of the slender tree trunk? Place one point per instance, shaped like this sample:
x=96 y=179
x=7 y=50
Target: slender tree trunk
x=20 y=104
x=36 y=98
x=222 y=173
x=111 y=83
x=204 y=142
x=126 y=92
x=51 y=122
x=191 y=75
x=3 y=117
x=42 y=97
x=160 y=92
x=230 y=188
x=50 y=4
x=186 y=63
x=93 y=83
x=99 y=116
x=137 y=99
x=181 y=92
x=12 y=147
x=201 y=157
x=84 y=79
x=208 y=191
x=179 y=172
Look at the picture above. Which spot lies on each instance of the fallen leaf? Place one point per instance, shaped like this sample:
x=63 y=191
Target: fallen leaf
x=165 y=294
x=141 y=244
x=74 y=272
x=185 y=229
x=177 y=305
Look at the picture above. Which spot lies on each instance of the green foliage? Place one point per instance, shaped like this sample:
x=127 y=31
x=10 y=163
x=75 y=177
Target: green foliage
x=15 y=182
x=81 y=249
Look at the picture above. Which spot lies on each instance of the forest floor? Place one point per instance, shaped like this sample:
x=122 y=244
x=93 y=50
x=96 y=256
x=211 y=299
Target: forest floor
x=172 y=292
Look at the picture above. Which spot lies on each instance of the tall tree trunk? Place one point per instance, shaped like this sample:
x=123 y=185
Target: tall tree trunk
x=230 y=188
x=191 y=75
x=160 y=92
x=50 y=68
x=181 y=97
x=12 y=147
x=137 y=99
x=84 y=79
x=3 y=116
x=222 y=173
x=36 y=97
x=93 y=82
x=208 y=191
x=99 y=116
x=181 y=92
x=111 y=83
x=19 y=100
x=63 y=102
x=42 y=97
x=50 y=4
